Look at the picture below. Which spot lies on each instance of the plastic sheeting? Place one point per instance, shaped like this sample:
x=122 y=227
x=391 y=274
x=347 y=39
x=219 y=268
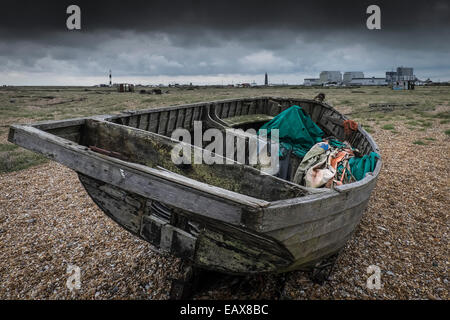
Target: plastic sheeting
x=297 y=131
x=361 y=166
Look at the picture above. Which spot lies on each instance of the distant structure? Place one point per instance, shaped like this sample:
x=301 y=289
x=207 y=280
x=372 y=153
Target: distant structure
x=110 y=78
x=330 y=76
x=125 y=87
x=312 y=82
x=402 y=73
x=349 y=75
x=266 y=80
x=402 y=79
x=419 y=82
x=405 y=73
x=391 y=76
x=368 y=81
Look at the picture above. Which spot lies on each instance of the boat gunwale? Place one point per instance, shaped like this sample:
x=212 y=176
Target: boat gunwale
x=315 y=195
x=128 y=113
x=343 y=188
x=236 y=197
x=167 y=138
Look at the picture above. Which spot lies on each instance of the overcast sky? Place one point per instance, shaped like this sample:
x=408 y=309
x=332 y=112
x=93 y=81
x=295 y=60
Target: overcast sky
x=212 y=42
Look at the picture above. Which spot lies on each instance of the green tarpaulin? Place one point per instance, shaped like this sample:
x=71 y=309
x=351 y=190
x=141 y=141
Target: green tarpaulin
x=297 y=132
x=360 y=166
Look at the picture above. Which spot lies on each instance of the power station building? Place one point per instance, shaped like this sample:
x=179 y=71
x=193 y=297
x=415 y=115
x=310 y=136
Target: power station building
x=330 y=76
x=405 y=73
x=402 y=74
x=312 y=82
x=391 y=76
x=402 y=79
x=349 y=75
x=368 y=81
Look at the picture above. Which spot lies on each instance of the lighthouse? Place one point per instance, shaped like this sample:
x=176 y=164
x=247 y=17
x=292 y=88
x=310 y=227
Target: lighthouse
x=110 y=82
x=266 y=80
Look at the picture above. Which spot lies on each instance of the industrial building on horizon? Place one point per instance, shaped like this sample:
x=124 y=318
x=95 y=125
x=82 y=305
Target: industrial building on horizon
x=403 y=78
x=330 y=76
x=349 y=75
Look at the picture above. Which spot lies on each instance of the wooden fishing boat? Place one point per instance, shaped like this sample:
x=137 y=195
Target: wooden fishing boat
x=228 y=218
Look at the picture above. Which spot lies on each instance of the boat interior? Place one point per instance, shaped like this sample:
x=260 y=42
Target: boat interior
x=144 y=137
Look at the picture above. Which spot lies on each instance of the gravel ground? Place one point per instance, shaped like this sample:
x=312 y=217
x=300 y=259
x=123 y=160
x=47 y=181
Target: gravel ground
x=47 y=221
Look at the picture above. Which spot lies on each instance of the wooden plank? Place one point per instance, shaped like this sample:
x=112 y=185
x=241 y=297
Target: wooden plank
x=133 y=122
x=72 y=132
x=217 y=108
x=151 y=183
x=167 y=237
x=295 y=234
x=163 y=119
x=250 y=118
x=305 y=250
x=245 y=108
x=307 y=263
x=229 y=107
x=225 y=110
x=143 y=121
x=252 y=108
x=188 y=119
x=238 y=108
x=172 y=120
x=225 y=253
x=200 y=105
x=195 y=116
x=126 y=215
x=289 y=212
x=151 y=229
x=153 y=122
x=274 y=107
x=154 y=150
x=180 y=118
x=159 y=232
x=232 y=111
x=315 y=115
x=212 y=119
x=58 y=124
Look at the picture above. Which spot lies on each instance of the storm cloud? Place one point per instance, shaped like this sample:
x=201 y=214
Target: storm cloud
x=212 y=42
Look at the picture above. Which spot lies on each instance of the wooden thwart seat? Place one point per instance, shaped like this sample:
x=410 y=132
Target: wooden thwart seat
x=249 y=118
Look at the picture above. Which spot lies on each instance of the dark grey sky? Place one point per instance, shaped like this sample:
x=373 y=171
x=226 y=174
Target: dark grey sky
x=218 y=41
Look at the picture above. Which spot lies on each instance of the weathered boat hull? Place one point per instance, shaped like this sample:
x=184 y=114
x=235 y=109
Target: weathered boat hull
x=268 y=225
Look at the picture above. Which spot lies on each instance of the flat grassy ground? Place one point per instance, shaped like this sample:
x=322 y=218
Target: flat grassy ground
x=47 y=220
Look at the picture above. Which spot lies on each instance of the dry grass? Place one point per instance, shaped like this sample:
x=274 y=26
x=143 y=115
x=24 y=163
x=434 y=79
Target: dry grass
x=48 y=221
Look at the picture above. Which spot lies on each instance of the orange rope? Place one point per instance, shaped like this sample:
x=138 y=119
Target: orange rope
x=349 y=126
